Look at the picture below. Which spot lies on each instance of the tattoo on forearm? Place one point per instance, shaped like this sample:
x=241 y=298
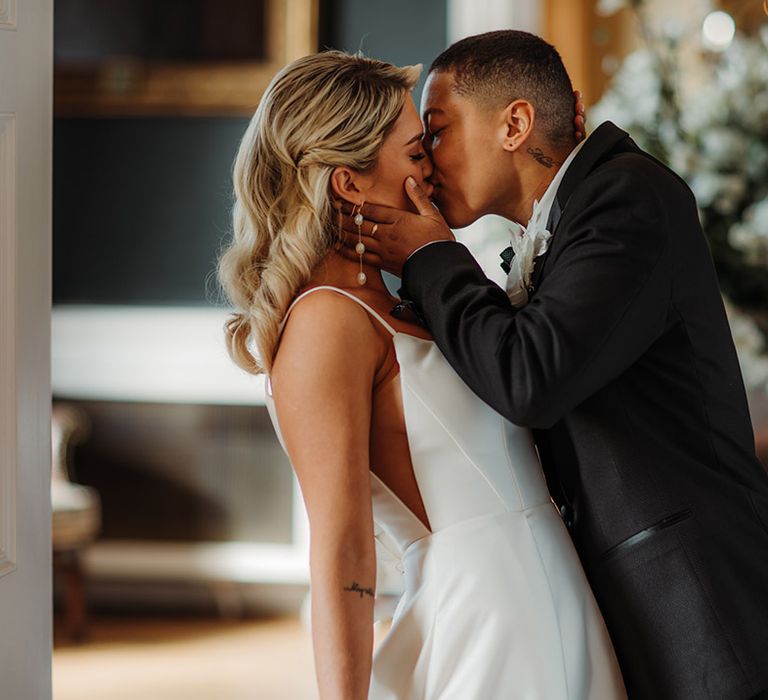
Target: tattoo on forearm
x=539 y=157
x=356 y=588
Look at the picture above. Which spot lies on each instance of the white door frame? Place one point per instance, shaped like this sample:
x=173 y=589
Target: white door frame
x=26 y=67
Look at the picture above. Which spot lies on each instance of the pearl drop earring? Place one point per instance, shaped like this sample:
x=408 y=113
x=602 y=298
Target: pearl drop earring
x=357 y=217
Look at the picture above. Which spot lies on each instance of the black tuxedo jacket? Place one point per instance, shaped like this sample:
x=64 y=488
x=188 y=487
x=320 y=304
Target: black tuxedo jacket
x=624 y=365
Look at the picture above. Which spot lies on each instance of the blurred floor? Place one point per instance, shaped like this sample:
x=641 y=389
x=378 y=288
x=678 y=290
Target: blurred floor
x=153 y=658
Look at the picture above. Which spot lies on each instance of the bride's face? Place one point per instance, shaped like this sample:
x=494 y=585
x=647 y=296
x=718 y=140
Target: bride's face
x=402 y=154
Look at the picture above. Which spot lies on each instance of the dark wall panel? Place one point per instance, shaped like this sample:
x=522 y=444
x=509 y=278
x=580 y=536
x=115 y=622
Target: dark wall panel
x=142 y=206
x=403 y=32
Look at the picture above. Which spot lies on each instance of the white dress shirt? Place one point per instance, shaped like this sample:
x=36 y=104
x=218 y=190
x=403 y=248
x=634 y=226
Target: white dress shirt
x=533 y=240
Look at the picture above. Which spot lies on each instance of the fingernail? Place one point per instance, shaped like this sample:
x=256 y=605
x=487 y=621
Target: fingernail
x=412 y=182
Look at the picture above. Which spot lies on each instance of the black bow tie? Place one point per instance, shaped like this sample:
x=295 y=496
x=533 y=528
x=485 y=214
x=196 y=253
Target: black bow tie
x=506 y=256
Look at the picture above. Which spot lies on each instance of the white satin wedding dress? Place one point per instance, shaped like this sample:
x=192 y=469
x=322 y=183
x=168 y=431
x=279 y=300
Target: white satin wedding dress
x=496 y=605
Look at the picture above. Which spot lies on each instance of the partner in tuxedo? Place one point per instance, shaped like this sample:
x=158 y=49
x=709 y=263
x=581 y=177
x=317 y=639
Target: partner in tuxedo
x=393 y=452
x=612 y=343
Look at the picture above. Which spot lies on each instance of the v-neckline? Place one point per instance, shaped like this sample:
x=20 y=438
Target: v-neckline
x=400 y=502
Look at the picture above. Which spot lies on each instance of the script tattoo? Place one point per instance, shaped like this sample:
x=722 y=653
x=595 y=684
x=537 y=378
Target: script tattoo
x=355 y=588
x=539 y=157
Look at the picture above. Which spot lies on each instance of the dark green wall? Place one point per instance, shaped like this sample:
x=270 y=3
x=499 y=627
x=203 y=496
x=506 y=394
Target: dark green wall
x=141 y=206
x=403 y=32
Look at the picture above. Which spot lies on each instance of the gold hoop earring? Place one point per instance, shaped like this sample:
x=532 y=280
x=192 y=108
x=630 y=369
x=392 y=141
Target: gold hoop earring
x=357 y=217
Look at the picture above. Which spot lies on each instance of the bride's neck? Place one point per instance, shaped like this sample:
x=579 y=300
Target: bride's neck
x=337 y=271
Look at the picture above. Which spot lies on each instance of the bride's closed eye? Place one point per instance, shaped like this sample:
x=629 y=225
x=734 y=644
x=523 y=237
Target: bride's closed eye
x=418 y=156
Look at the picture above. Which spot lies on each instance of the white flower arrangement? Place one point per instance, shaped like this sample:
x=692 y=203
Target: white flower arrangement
x=751 y=233
x=706 y=115
x=751 y=345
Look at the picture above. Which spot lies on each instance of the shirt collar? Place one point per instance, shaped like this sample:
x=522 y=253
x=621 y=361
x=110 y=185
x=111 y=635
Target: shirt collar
x=542 y=207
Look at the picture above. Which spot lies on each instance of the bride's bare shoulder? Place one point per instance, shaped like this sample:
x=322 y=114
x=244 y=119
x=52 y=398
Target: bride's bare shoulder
x=327 y=314
x=326 y=332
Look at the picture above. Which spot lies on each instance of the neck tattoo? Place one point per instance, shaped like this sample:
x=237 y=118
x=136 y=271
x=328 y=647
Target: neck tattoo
x=539 y=157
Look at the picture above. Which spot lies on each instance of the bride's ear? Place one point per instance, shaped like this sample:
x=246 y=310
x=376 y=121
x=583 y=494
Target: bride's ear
x=344 y=185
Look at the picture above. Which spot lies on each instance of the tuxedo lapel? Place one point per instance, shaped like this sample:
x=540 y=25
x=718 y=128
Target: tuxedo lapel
x=602 y=141
x=598 y=145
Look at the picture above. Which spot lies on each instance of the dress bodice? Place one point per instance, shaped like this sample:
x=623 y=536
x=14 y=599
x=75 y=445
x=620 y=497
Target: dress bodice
x=467 y=460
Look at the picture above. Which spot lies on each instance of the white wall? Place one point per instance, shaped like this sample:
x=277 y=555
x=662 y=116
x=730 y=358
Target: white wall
x=467 y=17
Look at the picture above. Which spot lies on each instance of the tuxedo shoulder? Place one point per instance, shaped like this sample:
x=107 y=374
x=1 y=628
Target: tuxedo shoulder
x=622 y=198
x=641 y=172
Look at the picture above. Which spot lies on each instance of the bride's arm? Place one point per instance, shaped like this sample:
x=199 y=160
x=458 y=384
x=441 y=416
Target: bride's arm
x=322 y=381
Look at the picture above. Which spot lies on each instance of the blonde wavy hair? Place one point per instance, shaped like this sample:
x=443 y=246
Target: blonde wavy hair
x=320 y=112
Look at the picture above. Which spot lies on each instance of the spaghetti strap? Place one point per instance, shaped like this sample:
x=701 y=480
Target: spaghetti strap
x=371 y=311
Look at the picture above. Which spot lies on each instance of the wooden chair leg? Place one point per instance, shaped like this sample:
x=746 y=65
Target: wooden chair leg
x=70 y=570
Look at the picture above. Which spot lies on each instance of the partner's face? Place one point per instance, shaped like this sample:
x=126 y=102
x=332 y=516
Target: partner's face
x=464 y=142
x=402 y=154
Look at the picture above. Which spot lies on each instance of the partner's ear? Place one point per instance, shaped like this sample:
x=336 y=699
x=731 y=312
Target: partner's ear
x=518 y=119
x=344 y=183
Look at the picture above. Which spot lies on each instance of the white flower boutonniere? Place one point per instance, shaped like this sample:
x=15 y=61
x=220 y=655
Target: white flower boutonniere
x=528 y=244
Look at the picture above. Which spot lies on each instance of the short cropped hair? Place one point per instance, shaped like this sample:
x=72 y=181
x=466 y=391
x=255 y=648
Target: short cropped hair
x=499 y=67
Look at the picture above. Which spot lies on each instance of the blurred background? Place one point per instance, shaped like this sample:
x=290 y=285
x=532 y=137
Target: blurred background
x=180 y=540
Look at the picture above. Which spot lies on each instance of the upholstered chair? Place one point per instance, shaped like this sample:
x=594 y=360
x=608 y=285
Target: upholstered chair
x=76 y=517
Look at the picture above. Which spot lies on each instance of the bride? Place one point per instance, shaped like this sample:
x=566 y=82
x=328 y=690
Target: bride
x=380 y=429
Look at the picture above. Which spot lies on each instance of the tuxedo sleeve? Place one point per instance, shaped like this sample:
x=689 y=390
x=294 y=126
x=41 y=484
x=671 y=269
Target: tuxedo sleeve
x=603 y=303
